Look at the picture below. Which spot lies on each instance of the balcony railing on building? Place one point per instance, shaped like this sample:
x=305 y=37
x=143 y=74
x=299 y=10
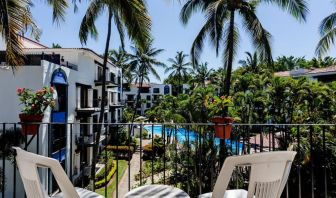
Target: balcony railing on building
x=185 y=155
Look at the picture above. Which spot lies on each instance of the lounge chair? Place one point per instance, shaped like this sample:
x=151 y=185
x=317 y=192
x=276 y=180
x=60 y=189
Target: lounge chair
x=29 y=162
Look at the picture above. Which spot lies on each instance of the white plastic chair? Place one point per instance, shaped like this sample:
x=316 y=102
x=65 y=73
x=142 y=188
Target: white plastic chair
x=29 y=162
x=268 y=177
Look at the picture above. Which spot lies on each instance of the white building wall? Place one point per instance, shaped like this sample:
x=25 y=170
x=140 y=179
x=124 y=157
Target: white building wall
x=134 y=91
x=35 y=77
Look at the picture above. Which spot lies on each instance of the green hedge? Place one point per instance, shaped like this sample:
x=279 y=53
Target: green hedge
x=101 y=174
x=121 y=148
x=150 y=151
x=102 y=182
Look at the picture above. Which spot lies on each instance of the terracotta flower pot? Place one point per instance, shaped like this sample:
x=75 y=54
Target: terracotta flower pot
x=223 y=131
x=27 y=127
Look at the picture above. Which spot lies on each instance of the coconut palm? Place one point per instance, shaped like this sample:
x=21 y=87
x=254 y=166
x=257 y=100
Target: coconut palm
x=16 y=19
x=328 y=34
x=121 y=59
x=130 y=16
x=202 y=74
x=179 y=69
x=143 y=61
x=221 y=26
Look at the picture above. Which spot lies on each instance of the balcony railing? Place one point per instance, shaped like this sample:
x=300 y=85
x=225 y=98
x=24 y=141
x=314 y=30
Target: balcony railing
x=188 y=156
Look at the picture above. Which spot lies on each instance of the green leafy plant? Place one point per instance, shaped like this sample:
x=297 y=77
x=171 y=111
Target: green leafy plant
x=216 y=105
x=35 y=103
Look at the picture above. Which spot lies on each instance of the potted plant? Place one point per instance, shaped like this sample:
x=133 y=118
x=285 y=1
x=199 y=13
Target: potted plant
x=35 y=103
x=216 y=107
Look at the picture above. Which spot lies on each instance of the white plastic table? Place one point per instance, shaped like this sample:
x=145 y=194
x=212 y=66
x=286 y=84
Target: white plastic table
x=156 y=191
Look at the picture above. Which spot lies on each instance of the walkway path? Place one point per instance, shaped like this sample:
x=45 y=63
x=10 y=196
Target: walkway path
x=133 y=169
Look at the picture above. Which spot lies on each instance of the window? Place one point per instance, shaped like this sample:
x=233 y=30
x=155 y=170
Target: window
x=156 y=90
x=95 y=125
x=144 y=90
x=166 y=90
x=95 y=98
x=148 y=98
x=99 y=73
x=130 y=97
x=83 y=97
x=148 y=105
x=112 y=77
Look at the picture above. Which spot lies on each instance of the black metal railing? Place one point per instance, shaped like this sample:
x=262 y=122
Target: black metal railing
x=187 y=156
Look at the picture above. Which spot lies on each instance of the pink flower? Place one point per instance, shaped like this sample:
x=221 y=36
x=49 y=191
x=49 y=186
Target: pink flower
x=51 y=89
x=222 y=97
x=19 y=90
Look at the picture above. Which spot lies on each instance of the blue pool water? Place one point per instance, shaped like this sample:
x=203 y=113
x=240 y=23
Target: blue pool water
x=183 y=134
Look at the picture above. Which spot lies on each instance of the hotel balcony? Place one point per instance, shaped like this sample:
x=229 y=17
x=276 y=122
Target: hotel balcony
x=110 y=83
x=187 y=155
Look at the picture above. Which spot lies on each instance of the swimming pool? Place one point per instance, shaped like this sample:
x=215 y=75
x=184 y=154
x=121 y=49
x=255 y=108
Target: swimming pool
x=183 y=134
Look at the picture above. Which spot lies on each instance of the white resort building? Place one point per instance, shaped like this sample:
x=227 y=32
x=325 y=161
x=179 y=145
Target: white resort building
x=76 y=75
x=150 y=94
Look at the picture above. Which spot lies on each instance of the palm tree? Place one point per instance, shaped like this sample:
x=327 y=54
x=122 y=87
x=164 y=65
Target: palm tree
x=328 y=34
x=144 y=61
x=131 y=15
x=221 y=27
x=251 y=62
x=179 y=69
x=121 y=59
x=202 y=73
x=16 y=19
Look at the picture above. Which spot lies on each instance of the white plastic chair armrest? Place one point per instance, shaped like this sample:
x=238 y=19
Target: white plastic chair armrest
x=62 y=180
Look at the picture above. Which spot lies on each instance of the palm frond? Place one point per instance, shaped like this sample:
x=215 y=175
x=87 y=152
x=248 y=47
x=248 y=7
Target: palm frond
x=88 y=22
x=120 y=29
x=297 y=8
x=59 y=7
x=189 y=8
x=197 y=46
x=11 y=13
x=325 y=42
x=134 y=15
x=328 y=24
x=260 y=37
x=217 y=14
x=229 y=42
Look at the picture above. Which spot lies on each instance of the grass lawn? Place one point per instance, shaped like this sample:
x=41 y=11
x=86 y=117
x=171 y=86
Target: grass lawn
x=122 y=166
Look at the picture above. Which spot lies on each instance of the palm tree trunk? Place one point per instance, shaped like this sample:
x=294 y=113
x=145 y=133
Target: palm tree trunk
x=180 y=86
x=228 y=78
x=137 y=102
x=230 y=58
x=102 y=105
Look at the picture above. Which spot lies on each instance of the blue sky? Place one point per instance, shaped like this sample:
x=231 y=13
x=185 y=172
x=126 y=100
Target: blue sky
x=289 y=37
